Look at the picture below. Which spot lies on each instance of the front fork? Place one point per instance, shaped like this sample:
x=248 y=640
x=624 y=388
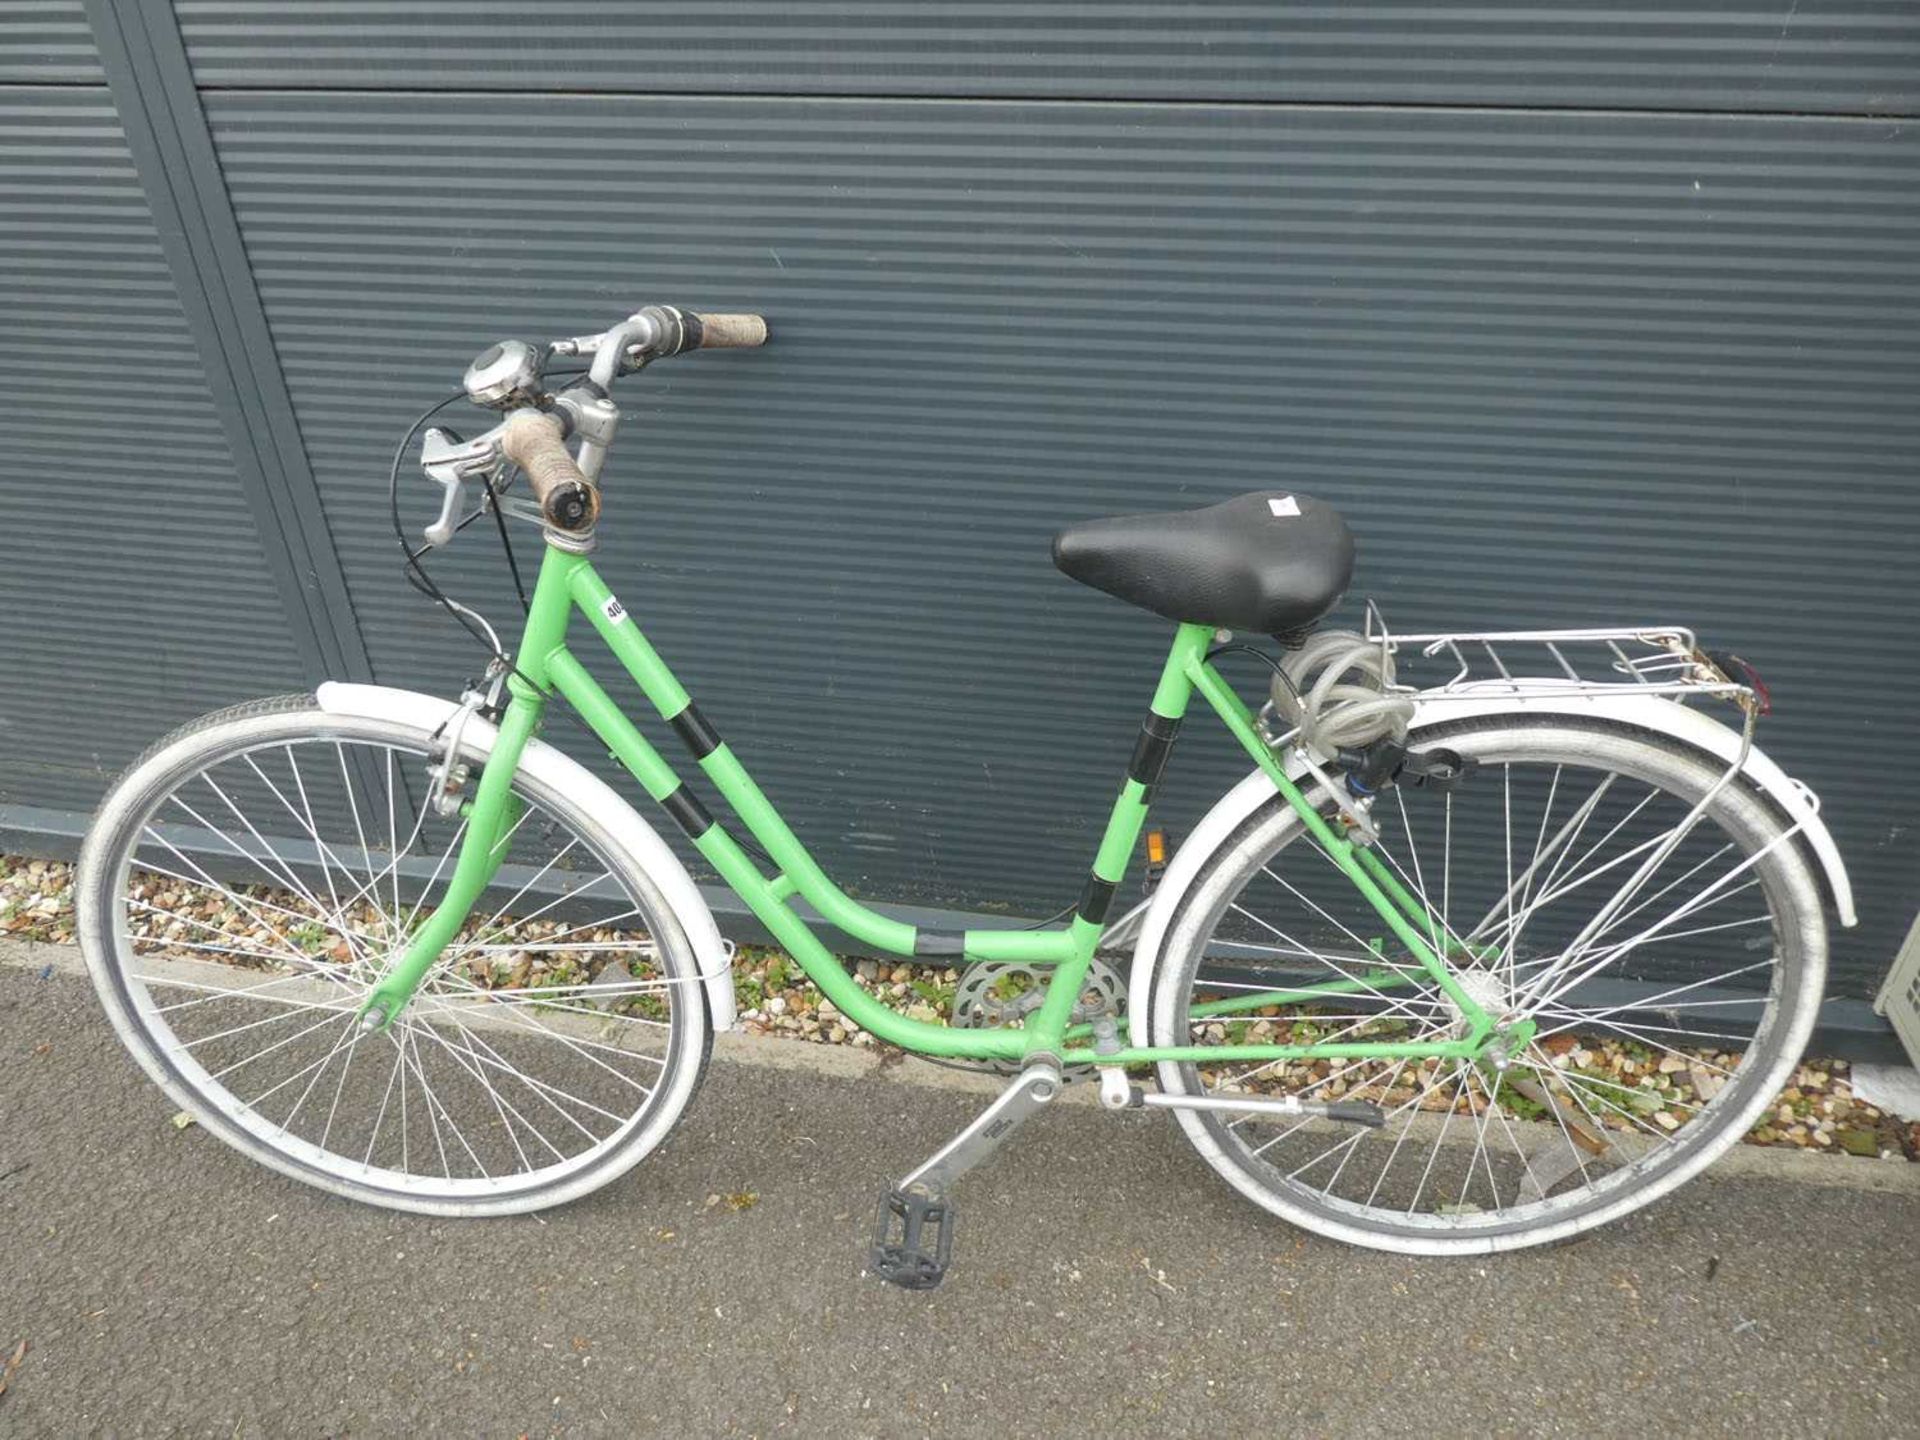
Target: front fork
x=488 y=820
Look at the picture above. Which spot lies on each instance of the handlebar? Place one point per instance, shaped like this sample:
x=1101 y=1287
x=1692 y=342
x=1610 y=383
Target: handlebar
x=659 y=331
x=510 y=377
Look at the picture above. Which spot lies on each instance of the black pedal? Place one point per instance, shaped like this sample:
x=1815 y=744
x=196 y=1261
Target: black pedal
x=912 y=1239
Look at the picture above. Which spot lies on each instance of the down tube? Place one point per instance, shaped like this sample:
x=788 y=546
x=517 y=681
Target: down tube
x=733 y=865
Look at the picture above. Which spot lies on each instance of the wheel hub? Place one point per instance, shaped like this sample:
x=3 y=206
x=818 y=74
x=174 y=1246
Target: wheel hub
x=1485 y=989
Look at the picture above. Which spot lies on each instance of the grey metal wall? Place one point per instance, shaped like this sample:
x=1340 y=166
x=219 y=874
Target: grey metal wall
x=1577 y=317
x=133 y=591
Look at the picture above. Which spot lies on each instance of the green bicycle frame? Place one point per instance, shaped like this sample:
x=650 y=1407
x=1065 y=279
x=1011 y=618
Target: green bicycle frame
x=545 y=666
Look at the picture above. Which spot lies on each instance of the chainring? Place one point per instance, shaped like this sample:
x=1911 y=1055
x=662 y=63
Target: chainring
x=1004 y=992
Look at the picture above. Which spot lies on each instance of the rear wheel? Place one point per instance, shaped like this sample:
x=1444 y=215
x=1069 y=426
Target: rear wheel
x=1672 y=966
x=250 y=878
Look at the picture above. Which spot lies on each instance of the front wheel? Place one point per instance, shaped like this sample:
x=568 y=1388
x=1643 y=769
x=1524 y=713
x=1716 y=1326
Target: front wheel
x=251 y=877
x=1662 y=932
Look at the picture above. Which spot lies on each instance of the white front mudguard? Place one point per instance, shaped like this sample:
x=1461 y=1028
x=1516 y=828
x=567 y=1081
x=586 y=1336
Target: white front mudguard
x=569 y=777
x=1650 y=712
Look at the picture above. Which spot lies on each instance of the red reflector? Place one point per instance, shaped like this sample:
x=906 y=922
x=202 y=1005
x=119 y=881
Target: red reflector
x=1736 y=668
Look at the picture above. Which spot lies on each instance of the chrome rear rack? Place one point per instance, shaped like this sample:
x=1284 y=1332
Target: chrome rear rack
x=1663 y=660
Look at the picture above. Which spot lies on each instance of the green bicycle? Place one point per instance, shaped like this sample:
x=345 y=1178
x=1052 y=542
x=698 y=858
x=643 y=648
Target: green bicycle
x=1465 y=963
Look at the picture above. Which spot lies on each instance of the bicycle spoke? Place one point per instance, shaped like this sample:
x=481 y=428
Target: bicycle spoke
x=306 y=823
x=1555 y=981
x=514 y=899
x=339 y=1088
x=452 y=848
x=359 y=829
x=283 y=875
x=410 y=1053
x=459 y=949
x=1459 y=1076
x=1418 y=879
x=1560 y=845
x=501 y=1110
x=210 y=993
x=1440 y=935
x=367 y=890
x=278 y=957
x=519 y=1017
x=1350 y=1067
x=1568 y=885
x=273 y=1019
x=1301 y=1123
x=214 y=885
x=1343 y=974
x=1576 y=1020
x=436 y=1111
x=380 y=1118
x=347 y=1032
x=1591 y=1089
x=549 y=1094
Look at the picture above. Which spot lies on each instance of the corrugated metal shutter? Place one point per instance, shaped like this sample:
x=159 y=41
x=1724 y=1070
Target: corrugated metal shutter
x=46 y=42
x=131 y=580
x=1846 y=56
x=1578 y=313
x=1556 y=368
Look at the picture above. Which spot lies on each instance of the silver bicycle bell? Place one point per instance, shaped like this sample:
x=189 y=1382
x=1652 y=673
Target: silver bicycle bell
x=504 y=375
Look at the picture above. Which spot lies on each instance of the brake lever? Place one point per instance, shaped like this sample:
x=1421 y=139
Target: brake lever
x=450 y=461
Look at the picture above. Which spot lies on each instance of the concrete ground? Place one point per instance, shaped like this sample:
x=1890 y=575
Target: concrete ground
x=1106 y=1283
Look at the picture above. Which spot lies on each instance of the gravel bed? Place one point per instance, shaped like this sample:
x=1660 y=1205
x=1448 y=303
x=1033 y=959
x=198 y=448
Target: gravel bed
x=1817 y=1111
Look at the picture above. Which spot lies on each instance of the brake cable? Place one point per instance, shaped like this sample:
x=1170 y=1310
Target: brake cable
x=420 y=580
x=416 y=574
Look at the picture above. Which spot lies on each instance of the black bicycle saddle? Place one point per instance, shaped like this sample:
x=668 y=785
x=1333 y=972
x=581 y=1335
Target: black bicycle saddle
x=1273 y=562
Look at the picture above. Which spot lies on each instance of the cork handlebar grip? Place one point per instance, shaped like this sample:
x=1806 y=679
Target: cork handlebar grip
x=720 y=332
x=533 y=441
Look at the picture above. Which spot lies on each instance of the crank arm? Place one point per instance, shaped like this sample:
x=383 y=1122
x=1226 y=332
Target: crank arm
x=913 y=1231
x=1031 y=1089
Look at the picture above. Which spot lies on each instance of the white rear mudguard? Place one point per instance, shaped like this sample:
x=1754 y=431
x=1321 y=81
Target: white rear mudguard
x=552 y=767
x=1650 y=712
